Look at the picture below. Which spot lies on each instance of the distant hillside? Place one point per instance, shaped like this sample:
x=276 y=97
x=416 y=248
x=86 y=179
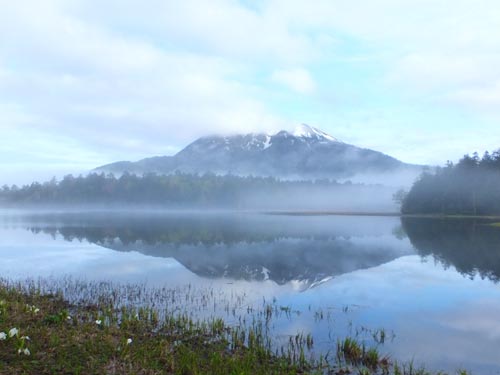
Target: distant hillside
x=306 y=153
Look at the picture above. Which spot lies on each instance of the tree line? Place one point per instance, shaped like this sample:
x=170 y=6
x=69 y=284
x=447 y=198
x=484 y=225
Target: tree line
x=170 y=190
x=470 y=187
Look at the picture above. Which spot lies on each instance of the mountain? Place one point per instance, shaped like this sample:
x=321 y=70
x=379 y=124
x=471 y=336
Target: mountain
x=306 y=153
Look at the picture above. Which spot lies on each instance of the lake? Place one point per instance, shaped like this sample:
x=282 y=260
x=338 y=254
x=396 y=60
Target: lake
x=430 y=285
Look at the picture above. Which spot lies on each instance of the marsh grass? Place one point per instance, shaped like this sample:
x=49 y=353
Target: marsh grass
x=76 y=327
x=100 y=338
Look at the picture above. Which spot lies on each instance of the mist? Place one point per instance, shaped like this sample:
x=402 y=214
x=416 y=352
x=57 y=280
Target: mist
x=343 y=198
x=402 y=178
x=181 y=191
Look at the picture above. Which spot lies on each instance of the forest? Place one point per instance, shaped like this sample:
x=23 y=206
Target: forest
x=470 y=187
x=151 y=189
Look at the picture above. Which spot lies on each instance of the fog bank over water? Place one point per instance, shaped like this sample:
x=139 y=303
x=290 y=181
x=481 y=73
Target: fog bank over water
x=209 y=191
x=399 y=179
x=344 y=198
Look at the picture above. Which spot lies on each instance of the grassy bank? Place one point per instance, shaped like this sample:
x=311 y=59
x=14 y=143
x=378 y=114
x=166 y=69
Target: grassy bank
x=45 y=334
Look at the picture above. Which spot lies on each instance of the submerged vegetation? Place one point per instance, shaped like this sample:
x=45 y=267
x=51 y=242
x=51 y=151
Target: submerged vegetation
x=102 y=330
x=471 y=187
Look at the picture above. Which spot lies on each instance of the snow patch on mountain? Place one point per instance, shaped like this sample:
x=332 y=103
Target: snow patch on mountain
x=267 y=143
x=306 y=131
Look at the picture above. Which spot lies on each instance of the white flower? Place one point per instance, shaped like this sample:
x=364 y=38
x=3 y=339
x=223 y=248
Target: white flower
x=129 y=341
x=32 y=308
x=13 y=332
x=3 y=335
x=98 y=322
x=69 y=317
x=24 y=351
x=25 y=338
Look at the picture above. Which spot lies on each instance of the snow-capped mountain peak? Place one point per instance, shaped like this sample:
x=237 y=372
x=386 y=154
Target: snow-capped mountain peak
x=306 y=131
x=305 y=153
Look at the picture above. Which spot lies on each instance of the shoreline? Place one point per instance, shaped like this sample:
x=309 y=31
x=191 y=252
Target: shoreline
x=379 y=214
x=189 y=210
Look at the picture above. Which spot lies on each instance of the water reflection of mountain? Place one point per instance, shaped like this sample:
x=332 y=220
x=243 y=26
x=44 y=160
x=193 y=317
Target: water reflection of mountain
x=304 y=260
x=471 y=246
x=254 y=247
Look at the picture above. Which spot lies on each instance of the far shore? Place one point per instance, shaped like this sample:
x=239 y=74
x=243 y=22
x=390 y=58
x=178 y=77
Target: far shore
x=389 y=214
x=147 y=209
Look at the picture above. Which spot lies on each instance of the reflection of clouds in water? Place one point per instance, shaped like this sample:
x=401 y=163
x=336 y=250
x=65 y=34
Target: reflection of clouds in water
x=478 y=318
x=45 y=256
x=448 y=339
x=470 y=332
x=434 y=313
x=407 y=283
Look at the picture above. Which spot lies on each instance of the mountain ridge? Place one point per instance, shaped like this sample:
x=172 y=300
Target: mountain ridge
x=305 y=153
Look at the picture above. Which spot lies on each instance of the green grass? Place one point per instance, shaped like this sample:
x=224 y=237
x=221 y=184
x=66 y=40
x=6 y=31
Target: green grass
x=55 y=336
x=104 y=340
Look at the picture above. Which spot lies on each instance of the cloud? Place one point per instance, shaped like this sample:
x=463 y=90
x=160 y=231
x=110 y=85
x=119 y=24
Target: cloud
x=486 y=98
x=298 y=80
x=125 y=81
x=222 y=27
x=119 y=95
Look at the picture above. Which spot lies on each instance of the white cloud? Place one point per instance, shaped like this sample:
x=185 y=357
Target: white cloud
x=221 y=27
x=121 y=96
x=430 y=70
x=297 y=79
x=485 y=98
x=127 y=80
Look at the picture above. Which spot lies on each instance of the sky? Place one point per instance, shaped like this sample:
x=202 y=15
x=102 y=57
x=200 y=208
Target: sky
x=86 y=82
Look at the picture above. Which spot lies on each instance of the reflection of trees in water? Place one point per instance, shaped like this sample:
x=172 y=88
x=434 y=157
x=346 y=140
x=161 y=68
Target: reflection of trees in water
x=172 y=230
x=471 y=246
x=254 y=248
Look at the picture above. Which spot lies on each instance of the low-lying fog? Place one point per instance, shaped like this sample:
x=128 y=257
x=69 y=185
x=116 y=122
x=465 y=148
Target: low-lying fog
x=344 y=198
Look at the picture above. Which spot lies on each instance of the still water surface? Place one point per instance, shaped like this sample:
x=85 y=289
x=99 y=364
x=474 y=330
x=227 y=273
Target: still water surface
x=432 y=285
